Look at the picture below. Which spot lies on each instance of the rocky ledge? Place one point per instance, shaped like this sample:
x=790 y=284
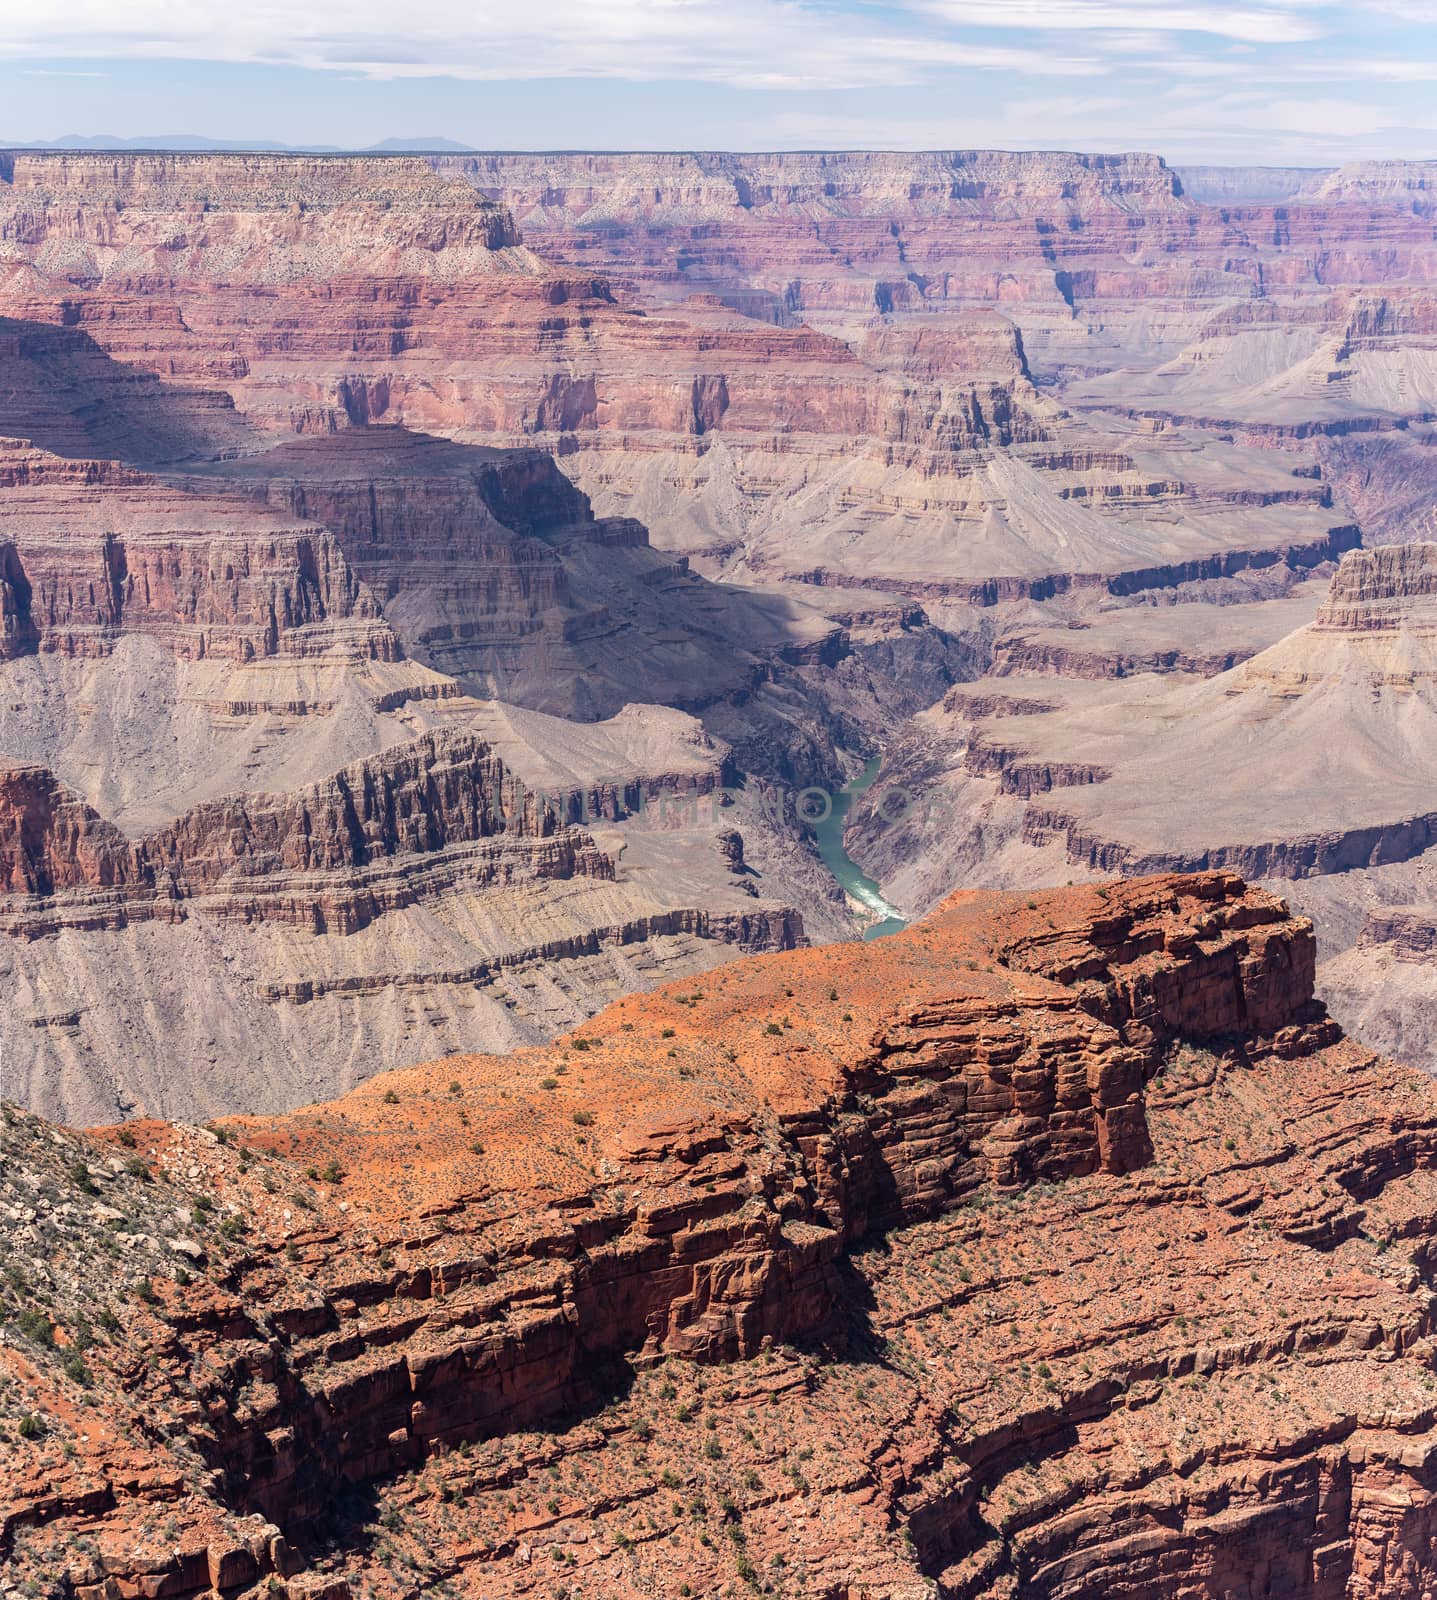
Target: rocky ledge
x=375 y=836
x=1056 y=1247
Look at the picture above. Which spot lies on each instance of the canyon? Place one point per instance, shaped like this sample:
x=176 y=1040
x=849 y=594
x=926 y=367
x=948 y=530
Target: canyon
x=681 y=484
x=440 y=598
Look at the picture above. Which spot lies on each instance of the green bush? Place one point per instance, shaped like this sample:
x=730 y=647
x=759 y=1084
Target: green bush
x=36 y=1326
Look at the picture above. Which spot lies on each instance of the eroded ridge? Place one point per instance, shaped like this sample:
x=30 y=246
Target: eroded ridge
x=1054 y=1247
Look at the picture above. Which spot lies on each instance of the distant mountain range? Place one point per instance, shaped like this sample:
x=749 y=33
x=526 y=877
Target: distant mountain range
x=189 y=141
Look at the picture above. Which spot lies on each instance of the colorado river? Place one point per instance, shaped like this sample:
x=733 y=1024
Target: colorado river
x=856 y=884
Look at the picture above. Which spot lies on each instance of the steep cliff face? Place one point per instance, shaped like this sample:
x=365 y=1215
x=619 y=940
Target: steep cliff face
x=618 y=188
x=60 y=391
x=93 y=552
x=841 y=233
x=51 y=840
x=834 y=234
x=1381 y=591
x=1078 y=1212
x=255 y=218
x=330 y=857
x=399 y=297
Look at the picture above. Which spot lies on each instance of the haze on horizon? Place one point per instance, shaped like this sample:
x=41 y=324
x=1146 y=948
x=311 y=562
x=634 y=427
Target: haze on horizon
x=1258 y=82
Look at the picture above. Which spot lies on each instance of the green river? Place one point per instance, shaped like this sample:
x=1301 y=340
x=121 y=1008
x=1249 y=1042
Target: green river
x=855 y=882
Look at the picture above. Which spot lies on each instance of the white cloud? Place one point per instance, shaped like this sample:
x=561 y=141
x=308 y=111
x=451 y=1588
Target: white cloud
x=1285 y=22
x=1388 y=71
x=1406 y=10
x=774 y=44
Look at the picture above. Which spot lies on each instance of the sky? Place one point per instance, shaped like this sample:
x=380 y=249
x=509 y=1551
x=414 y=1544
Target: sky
x=1270 y=82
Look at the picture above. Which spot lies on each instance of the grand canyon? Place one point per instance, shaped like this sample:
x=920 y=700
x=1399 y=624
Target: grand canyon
x=718 y=875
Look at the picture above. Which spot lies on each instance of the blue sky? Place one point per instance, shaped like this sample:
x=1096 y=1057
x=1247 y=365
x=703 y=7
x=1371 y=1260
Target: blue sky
x=1301 y=82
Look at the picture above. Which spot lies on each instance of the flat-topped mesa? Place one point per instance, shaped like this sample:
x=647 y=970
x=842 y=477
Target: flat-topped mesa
x=1001 y=1041
x=377 y=836
x=850 y=183
x=1382 y=590
x=117 y=213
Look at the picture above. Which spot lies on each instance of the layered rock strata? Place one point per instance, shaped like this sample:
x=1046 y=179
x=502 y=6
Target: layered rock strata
x=331 y=857
x=92 y=551
x=779 y=449
x=1077 y=1210
x=1116 y=771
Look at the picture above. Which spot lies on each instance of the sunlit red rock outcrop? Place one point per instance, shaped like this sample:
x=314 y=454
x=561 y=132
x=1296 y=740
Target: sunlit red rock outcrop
x=1057 y=1247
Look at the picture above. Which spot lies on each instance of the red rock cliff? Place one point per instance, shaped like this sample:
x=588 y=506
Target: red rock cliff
x=1014 y=1166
